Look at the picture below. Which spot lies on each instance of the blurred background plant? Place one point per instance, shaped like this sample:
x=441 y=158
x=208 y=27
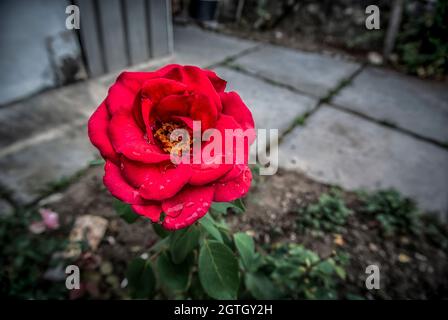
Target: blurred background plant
x=328 y=214
x=422 y=44
x=419 y=45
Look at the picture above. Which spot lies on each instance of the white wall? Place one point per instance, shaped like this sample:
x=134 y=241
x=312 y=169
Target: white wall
x=26 y=29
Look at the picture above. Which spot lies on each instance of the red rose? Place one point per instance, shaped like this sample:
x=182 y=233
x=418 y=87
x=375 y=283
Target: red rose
x=132 y=127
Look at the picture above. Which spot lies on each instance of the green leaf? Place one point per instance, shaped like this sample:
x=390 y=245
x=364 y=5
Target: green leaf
x=209 y=225
x=261 y=287
x=173 y=276
x=222 y=207
x=326 y=267
x=255 y=169
x=239 y=204
x=96 y=162
x=218 y=270
x=246 y=248
x=340 y=272
x=125 y=211
x=141 y=279
x=182 y=242
x=160 y=231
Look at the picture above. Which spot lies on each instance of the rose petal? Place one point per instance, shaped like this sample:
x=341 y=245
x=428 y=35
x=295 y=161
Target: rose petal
x=128 y=139
x=50 y=218
x=234 y=173
x=119 y=98
x=230 y=190
x=157 y=181
x=236 y=146
x=134 y=80
x=156 y=89
x=97 y=130
x=195 y=79
x=203 y=110
x=173 y=105
x=232 y=105
x=151 y=211
x=189 y=205
x=218 y=83
x=205 y=173
x=118 y=187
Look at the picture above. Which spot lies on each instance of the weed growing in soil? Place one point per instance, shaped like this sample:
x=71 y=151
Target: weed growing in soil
x=395 y=213
x=24 y=257
x=328 y=214
x=301 y=274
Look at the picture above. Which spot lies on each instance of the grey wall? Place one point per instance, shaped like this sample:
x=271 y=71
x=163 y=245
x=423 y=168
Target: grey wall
x=119 y=33
x=33 y=42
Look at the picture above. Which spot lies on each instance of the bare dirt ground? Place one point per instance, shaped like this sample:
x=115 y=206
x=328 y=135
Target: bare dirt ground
x=272 y=211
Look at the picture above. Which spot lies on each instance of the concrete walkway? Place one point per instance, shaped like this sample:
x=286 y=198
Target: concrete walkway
x=342 y=123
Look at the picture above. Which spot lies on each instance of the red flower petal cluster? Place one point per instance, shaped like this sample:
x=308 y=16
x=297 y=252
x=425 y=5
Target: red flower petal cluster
x=130 y=130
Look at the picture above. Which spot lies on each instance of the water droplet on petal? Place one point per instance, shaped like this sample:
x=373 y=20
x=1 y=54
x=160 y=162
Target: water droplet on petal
x=176 y=208
x=189 y=204
x=162 y=187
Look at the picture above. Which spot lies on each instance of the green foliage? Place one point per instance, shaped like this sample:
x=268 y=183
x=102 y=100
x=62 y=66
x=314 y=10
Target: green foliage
x=300 y=273
x=182 y=242
x=24 y=258
x=175 y=277
x=261 y=286
x=202 y=261
x=206 y=261
x=209 y=225
x=246 y=250
x=141 y=279
x=422 y=45
x=223 y=207
x=125 y=211
x=328 y=214
x=218 y=270
x=395 y=213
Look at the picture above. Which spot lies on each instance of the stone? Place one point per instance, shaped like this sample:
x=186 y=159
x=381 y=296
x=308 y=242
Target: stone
x=310 y=73
x=340 y=148
x=39 y=113
x=28 y=172
x=89 y=228
x=375 y=58
x=418 y=106
x=272 y=107
x=194 y=46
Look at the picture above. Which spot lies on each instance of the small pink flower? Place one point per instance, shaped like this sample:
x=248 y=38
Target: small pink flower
x=50 y=221
x=50 y=218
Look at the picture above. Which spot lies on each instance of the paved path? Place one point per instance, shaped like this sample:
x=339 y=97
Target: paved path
x=341 y=123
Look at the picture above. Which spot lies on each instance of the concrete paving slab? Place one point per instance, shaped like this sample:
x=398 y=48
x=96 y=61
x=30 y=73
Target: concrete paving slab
x=195 y=46
x=272 y=107
x=415 y=105
x=339 y=148
x=312 y=73
x=48 y=110
x=28 y=172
